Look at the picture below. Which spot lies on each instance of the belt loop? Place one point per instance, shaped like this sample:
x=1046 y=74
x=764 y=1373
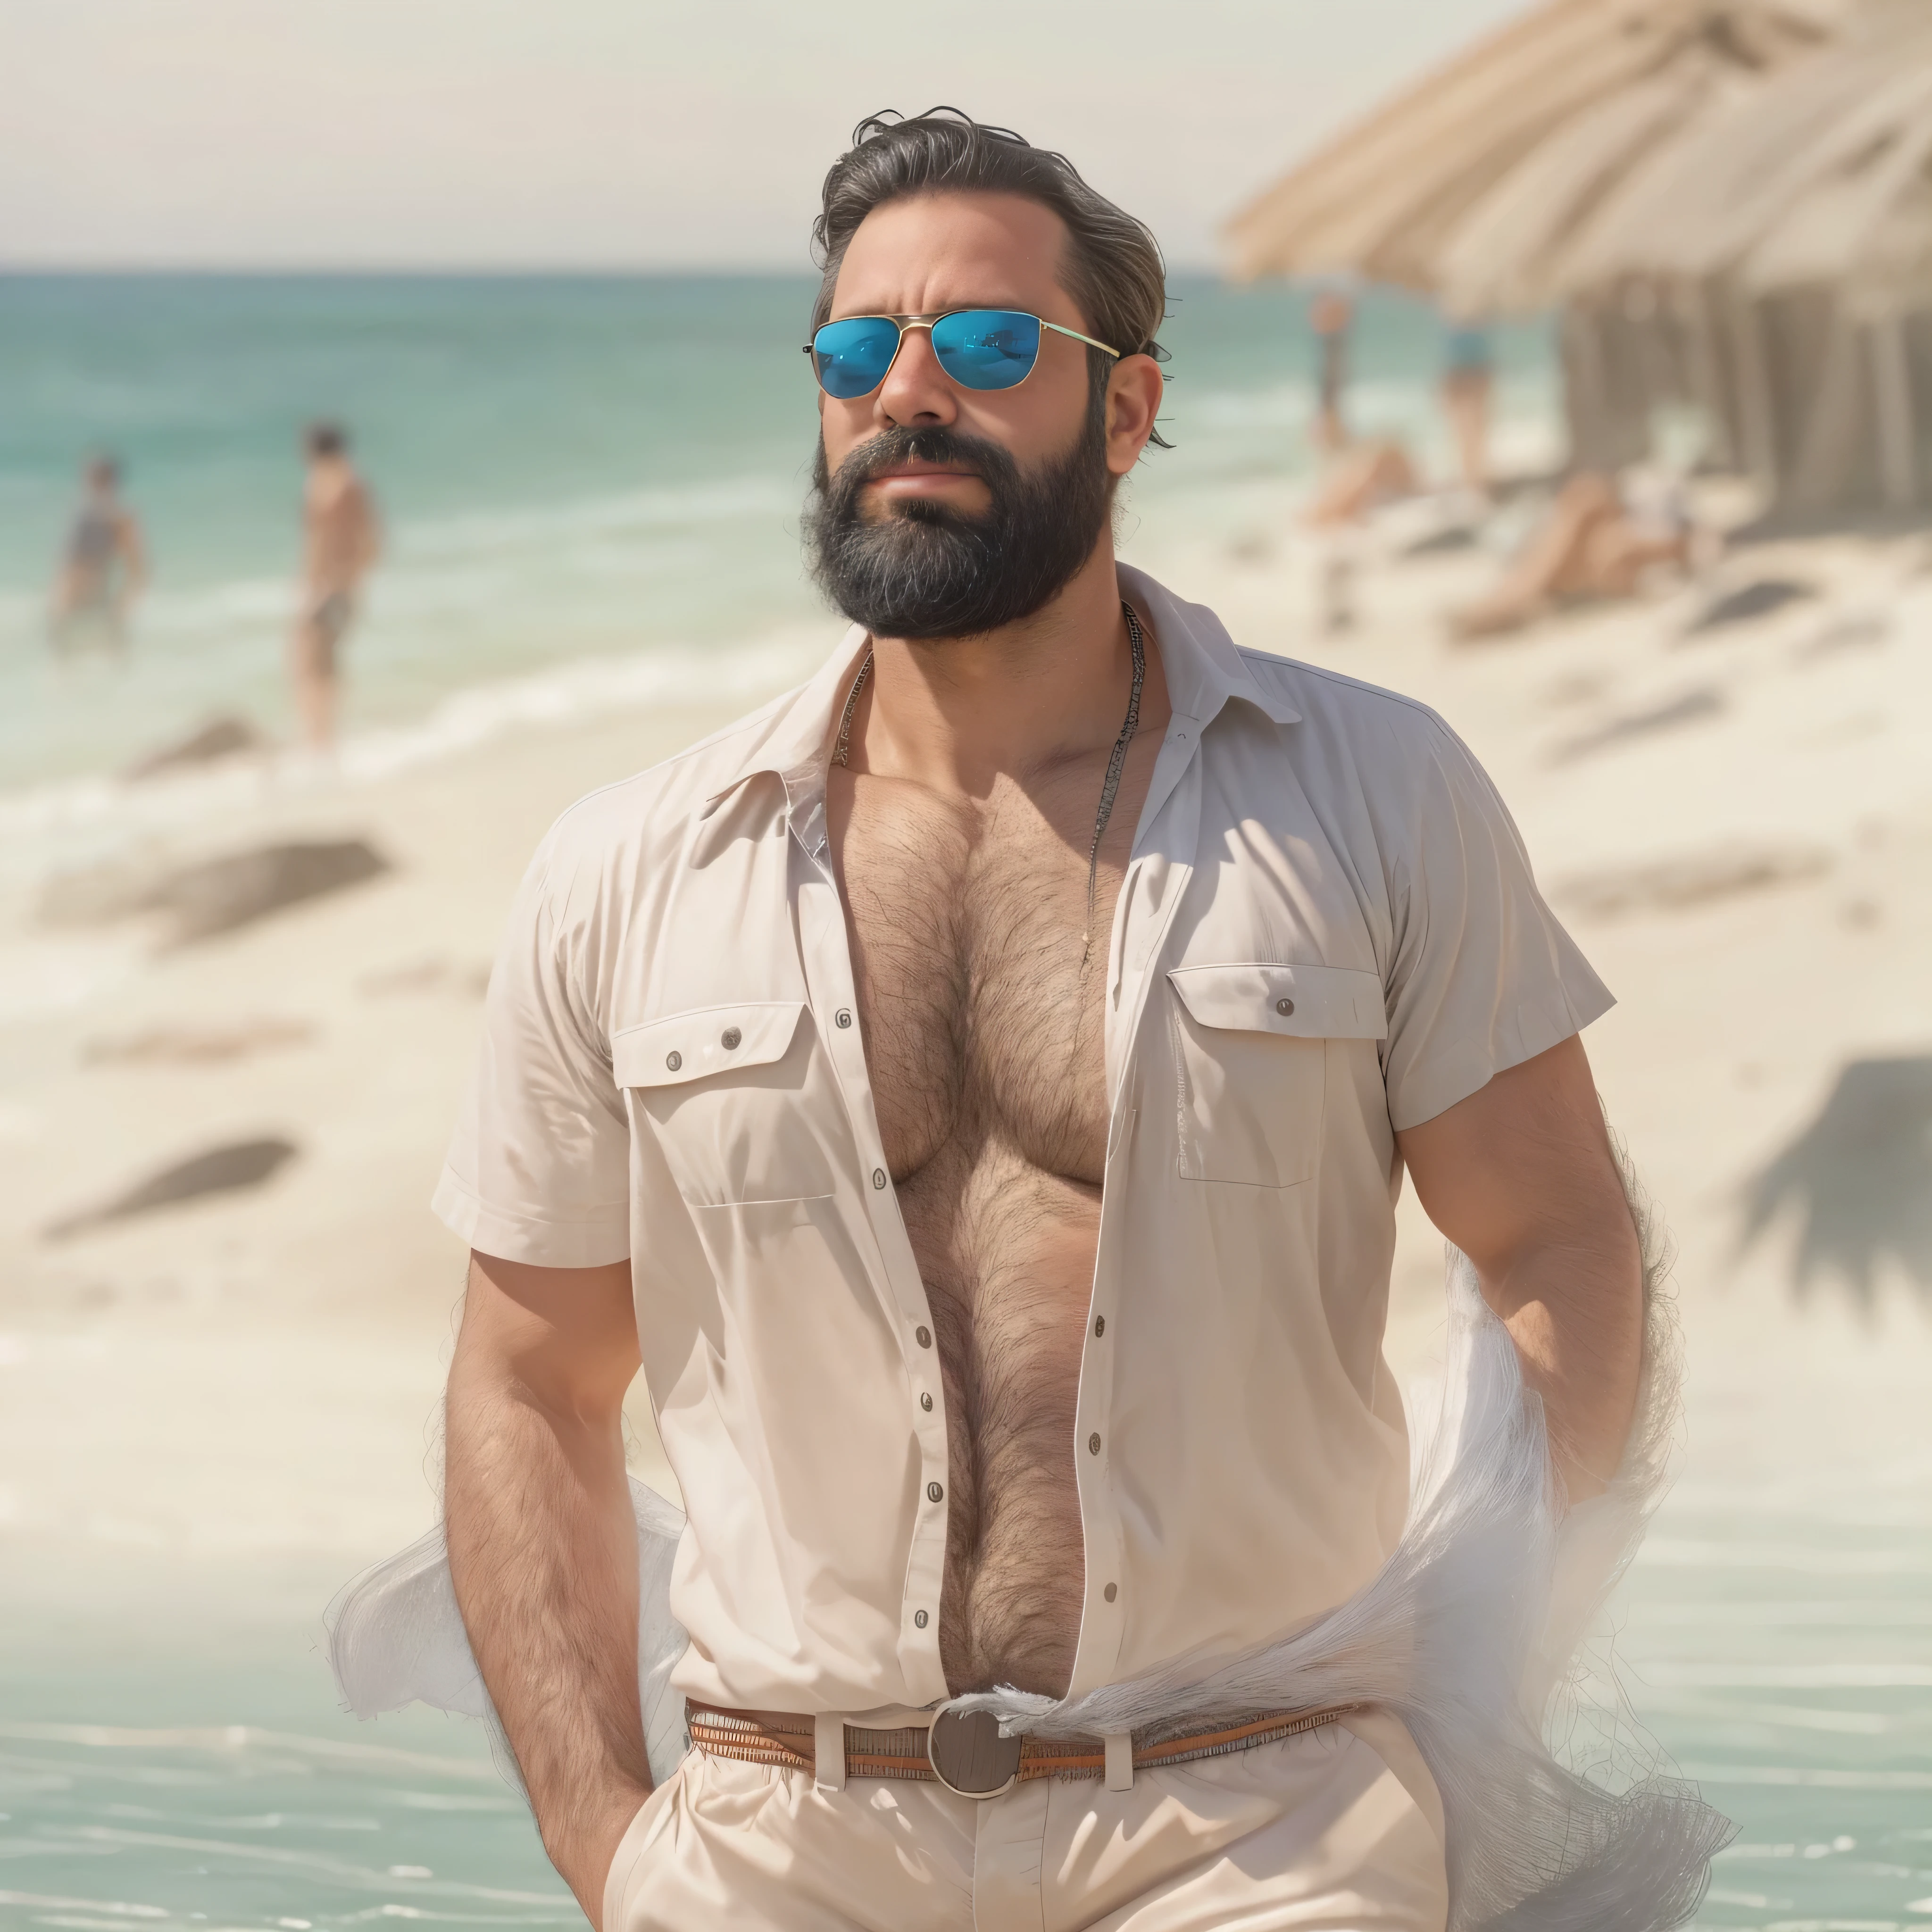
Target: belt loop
x=828 y=1751
x=1119 y=1760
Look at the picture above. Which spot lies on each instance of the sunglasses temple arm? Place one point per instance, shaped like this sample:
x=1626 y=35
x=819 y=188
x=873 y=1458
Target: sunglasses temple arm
x=1077 y=337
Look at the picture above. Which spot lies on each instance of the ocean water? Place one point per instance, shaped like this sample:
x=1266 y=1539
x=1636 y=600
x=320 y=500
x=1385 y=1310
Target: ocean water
x=605 y=472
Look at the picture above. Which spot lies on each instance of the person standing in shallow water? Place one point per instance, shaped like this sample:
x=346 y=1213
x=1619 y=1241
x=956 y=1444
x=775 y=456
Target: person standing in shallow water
x=974 y=1089
x=104 y=568
x=341 y=540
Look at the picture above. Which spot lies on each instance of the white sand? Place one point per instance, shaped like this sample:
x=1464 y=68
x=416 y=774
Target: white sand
x=257 y=1375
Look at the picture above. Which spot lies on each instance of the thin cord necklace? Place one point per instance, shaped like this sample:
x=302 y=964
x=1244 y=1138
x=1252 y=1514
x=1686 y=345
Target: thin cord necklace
x=1116 y=764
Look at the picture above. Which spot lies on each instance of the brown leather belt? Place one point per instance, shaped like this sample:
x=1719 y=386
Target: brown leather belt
x=967 y=1754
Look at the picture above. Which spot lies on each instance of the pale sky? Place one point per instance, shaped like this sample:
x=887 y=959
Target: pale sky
x=633 y=134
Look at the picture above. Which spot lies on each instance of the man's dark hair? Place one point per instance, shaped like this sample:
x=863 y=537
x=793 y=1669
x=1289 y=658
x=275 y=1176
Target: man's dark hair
x=326 y=438
x=103 y=471
x=1113 y=269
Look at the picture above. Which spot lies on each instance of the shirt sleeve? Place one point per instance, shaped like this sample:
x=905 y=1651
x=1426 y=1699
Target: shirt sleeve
x=1482 y=977
x=539 y=1168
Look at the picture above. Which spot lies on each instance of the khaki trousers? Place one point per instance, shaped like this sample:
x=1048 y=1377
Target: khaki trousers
x=1338 y=1829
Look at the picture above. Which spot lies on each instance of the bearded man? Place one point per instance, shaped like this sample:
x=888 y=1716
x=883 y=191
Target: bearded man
x=975 y=1088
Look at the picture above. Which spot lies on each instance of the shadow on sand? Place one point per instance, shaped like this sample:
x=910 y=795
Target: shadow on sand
x=1860 y=1178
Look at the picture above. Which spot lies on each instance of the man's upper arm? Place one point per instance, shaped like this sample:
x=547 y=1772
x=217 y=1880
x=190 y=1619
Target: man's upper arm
x=1481 y=977
x=569 y=1334
x=1524 y=1161
x=539 y=1170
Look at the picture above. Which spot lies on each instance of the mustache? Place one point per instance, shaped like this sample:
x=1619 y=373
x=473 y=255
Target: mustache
x=899 y=444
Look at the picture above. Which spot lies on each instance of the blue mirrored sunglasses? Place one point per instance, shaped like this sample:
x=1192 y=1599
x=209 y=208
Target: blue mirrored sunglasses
x=979 y=348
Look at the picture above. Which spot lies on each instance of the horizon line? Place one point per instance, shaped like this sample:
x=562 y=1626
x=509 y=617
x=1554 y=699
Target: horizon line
x=454 y=270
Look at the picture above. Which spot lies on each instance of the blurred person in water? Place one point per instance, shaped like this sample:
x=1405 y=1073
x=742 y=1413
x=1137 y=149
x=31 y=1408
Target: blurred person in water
x=341 y=540
x=103 y=567
x=974 y=1090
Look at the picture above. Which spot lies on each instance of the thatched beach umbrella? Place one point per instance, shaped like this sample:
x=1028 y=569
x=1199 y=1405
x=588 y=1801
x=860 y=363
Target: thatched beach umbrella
x=1797 y=224
x=1467 y=184
x=1822 y=177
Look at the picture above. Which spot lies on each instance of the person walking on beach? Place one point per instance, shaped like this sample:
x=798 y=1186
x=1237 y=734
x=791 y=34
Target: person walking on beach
x=341 y=540
x=1469 y=384
x=104 y=568
x=975 y=1088
x=1331 y=315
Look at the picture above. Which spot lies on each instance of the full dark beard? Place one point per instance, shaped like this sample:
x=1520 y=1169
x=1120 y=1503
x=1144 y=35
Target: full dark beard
x=924 y=571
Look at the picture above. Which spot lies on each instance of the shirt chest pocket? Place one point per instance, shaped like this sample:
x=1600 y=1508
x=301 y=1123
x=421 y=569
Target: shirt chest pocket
x=737 y=1100
x=1251 y=1044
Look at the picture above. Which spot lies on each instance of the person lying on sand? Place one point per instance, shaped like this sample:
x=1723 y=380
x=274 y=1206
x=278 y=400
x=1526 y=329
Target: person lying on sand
x=1590 y=546
x=972 y=1088
x=1362 y=479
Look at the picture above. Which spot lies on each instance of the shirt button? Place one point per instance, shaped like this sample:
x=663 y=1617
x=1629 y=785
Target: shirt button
x=1112 y=1591
x=844 y=1016
x=1093 y=1444
x=1099 y=1325
x=732 y=1036
x=925 y=1403
x=1284 y=1007
x=919 y=1620
x=674 y=1060
x=878 y=1177
x=934 y=1493
x=923 y=1336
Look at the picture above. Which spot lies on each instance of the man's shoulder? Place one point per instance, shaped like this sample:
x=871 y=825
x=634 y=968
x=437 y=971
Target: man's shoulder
x=651 y=811
x=1348 y=708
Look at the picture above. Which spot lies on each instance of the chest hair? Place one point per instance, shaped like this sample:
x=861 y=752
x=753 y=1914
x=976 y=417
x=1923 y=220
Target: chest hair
x=981 y=1001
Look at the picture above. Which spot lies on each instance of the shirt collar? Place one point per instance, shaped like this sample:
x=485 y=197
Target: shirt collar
x=1203 y=669
x=794 y=742
x=1197 y=658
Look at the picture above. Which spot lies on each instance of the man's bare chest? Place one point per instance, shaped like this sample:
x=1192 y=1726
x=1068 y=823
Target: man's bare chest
x=978 y=990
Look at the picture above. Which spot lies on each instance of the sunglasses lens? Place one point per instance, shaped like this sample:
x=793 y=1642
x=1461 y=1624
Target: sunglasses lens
x=852 y=357
x=986 y=348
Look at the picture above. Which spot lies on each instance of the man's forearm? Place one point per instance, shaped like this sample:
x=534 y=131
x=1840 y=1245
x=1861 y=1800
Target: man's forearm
x=543 y=1552
x=1575 y=1311
x=1521 y=1177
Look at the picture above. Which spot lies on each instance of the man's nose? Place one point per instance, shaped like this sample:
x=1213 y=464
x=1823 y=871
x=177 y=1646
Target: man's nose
x=916 y=392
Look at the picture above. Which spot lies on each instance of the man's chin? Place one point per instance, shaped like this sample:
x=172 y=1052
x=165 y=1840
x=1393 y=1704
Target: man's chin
x=916 y=512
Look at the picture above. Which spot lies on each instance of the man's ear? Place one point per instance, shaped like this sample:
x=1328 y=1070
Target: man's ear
x=1135 y=391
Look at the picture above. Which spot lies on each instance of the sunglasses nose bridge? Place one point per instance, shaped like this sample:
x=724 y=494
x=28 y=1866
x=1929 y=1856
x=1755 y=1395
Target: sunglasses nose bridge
x=897 y=366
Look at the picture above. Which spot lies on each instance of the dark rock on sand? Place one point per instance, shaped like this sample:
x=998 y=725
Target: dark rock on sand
x=213 y=895
x=1682 y=884
x=222 y=1170
x=1750 y=602
x=1692 y=707
x=218 y=738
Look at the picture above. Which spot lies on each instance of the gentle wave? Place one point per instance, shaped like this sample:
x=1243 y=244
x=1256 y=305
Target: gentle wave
x=1791 y=1676
x=229 y=1737
x=1681 y=1553
x=341 y=1871
x=462 y=721
x=1808 y=1777
x=597 y=516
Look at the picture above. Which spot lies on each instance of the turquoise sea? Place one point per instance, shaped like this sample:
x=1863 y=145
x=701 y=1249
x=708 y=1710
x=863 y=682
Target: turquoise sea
x=604 y=469
x=598 y=480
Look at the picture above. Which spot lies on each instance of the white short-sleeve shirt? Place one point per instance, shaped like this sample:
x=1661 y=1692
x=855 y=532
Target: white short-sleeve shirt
x=1328 y=931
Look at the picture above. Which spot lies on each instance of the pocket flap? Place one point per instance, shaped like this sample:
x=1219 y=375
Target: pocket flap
x=707 y=1040
x=1305 y=1002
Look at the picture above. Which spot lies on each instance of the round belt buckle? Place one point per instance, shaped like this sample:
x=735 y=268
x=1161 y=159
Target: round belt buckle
x=969 y=1756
